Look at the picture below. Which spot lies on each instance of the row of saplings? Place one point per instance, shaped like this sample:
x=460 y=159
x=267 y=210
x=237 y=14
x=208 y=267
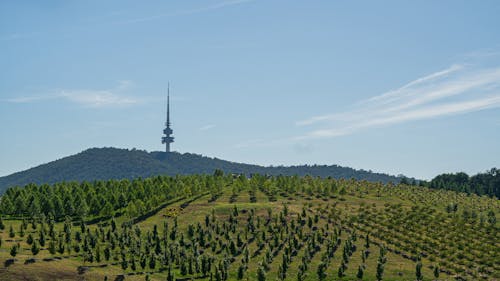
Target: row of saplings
x=190 y=256
x=393 y=227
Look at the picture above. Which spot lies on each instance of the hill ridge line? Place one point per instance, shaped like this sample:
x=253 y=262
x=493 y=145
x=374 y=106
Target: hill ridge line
x=117 y=163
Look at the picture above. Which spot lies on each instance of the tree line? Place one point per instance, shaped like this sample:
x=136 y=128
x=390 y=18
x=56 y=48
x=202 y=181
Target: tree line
x=487 y=183
x=101 y=198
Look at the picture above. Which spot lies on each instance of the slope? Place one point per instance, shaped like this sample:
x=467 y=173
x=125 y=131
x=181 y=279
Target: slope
x=113 y=163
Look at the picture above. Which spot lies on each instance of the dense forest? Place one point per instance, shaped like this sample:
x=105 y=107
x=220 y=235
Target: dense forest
x=487 y=183
x=112 y=163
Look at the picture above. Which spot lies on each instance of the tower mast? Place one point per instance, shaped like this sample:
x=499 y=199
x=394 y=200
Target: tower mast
x=167 y=139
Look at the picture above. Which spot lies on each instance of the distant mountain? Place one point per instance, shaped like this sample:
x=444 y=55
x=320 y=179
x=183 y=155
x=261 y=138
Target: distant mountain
x=113 y=163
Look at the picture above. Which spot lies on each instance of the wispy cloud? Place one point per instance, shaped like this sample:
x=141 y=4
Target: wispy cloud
x=72 y=29
x=18 y=36
x=207 y=127
x=92 y=98
x=455 y=90
x=214 y=6
x=88 y=98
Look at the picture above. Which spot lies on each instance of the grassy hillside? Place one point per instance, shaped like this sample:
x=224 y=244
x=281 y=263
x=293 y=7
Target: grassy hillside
x=223 y=228
x=113 y=163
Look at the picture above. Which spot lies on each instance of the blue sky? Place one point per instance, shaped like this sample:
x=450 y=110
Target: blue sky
x=402 y=87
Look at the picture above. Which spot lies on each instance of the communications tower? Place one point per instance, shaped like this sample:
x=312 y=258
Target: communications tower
x=167 y=139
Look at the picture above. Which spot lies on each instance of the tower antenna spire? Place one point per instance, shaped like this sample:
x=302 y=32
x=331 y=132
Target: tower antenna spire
x=168 y=104
x=167 y=139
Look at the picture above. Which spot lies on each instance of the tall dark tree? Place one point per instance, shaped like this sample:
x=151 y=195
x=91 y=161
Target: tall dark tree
x=360 y=272
x=13 y=251
x=380 y=271
x=12 y=233
x=35 y=249
x=52 y=247
x=261 y=274
x=321 y=272
x=418 y=271
x=436 y=271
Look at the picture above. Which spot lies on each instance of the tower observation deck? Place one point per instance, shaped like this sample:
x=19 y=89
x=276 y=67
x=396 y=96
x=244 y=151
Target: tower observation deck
x=167 y=139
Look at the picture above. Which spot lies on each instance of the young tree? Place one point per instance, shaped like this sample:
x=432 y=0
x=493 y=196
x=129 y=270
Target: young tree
x=261 y=274
x=418 y=271
x=360 y=272
x=300 y=275
x=183 y=268
x=33 y=223
x=380 y=271
x=107 y=254
x=41 y=238
x=34 y=248
x=13 y=251
x=170 y=275
x=281 y=273
x=12 y=233
x=60 y=247
x=340 y=273
x=152 y=262
x=436 y=271
x=98 y=254
x=76 y=247
x=52 y=247
x=90 y=256
x=21 y=230
x=132 y=263
x=217 y=275
x=492 y=219
x=142 y=261
x=321 y=271
x=124 y=263
x=29 y=239
x=241 y=271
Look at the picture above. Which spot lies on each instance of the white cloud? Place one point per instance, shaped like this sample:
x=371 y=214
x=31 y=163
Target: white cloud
x=438 y=110
x=28 y=99
x=96 y=98
x=455 y=90
x=207 y=127
x=393 y=95
x=88 y=98
x=418 y=114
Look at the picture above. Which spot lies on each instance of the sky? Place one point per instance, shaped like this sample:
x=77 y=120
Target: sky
x=400 y=87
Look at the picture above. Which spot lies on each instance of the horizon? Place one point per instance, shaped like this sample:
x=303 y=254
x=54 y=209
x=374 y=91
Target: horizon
x=400 y=88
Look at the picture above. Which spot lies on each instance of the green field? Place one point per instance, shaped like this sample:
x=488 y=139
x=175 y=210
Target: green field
x=229 y=228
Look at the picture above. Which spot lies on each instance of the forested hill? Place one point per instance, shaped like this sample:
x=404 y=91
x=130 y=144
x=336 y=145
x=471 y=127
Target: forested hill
x=113 y=163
